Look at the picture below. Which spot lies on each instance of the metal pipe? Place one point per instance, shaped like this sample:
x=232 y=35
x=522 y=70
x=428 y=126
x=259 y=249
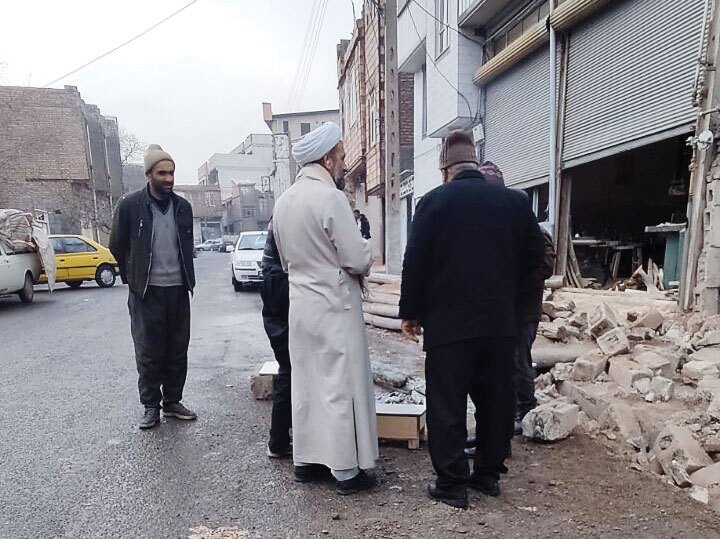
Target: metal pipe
x=552 y=175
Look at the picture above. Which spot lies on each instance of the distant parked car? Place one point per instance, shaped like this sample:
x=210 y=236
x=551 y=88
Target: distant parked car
x=18 y=272
x=246 y=263
x=80 y=259
x=208 y=245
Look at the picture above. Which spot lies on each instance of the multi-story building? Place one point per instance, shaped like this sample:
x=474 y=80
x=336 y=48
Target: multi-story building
x=287 y=128
x=247 y=210
x=586 y=105
x=364 y=84
x=60 y=156
x=207 y=210
x=251 y=161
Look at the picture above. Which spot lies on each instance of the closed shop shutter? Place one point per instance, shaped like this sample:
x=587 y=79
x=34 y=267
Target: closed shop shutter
x=517 y=121
x=630 y=77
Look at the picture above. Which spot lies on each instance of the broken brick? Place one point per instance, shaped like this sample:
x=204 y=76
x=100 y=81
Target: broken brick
x=626 y=372
x=614 y=342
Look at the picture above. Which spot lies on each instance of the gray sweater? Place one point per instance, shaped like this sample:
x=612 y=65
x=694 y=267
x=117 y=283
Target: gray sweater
x=165 y=267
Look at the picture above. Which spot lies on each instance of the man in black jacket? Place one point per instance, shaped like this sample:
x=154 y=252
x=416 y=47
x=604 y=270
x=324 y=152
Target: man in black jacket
x=275 y=294
x=471 y=247
x=152 y=241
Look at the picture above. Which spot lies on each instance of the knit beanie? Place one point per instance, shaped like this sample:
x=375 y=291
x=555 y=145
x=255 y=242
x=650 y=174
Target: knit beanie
x=457 y=148
x=153 y=155
x=493 y=175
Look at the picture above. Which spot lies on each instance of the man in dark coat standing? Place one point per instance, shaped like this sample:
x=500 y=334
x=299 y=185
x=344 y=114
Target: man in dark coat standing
x=152 y=240
x=276 y=306
x=471 y=247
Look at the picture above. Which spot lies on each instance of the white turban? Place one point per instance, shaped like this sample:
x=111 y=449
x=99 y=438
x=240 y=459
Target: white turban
x=317 y=143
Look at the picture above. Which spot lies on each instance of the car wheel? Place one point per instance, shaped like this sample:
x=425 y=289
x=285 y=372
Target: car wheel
x=236 y=285
x=105 y=276
x=74 y=284
x=27 y=294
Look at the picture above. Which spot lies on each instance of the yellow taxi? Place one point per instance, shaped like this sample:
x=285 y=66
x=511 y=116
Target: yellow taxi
x=80 y=259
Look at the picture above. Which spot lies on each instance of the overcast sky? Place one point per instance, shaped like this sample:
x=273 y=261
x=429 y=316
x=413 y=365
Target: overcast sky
x=195 y=84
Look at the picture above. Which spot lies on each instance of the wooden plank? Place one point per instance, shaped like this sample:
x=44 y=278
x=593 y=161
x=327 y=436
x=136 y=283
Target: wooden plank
x=381 y=309
x=563 y=232
x=382 y=297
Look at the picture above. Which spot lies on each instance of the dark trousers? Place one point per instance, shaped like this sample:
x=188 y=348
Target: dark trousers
x=160 y=325
x=483 y=369
x=524 y=371
x=282 y=406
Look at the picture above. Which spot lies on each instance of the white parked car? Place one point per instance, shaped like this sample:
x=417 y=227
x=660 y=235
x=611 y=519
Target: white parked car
x=18 y=273
x=246 y=261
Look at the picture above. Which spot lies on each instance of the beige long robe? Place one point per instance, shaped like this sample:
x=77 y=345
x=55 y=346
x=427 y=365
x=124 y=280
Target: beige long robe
x=333 y=401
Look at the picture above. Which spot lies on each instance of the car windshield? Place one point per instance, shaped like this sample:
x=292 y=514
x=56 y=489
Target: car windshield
x=251 y=242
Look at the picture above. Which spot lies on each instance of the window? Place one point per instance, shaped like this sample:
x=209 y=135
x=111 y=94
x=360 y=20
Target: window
x=210 y=199
x=522 y=24
x=76 y=245
x=251 y=242
x=304 y=128
x=286 y=127
x=58 y=246
x=442 y=8
x=373 y=118
x=353 y=97
x=248 y=212
x=424 y=100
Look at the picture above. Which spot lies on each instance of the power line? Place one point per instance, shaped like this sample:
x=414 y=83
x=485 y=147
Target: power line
x=303 y=51
x=305 y=67
x=439 y=71
x=123 y=44
x=444 y=23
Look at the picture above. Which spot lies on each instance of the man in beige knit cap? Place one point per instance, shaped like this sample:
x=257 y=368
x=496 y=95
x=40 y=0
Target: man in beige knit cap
x=152 y=240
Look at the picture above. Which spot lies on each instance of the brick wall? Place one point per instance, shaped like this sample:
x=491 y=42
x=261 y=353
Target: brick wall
x=352 y=57
x=374 y=67
x=407 y=109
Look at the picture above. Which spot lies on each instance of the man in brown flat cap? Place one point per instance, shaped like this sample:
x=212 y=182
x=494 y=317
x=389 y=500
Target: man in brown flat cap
x=481 y=241
x=152 y=240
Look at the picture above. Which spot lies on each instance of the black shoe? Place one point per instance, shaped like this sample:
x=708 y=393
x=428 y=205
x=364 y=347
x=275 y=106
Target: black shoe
x=486 y=484
x=453 y=498
x=285 y=452
x=150 y=418
x=518 y=427
x=311 y=473
x=178 y=411
x=470 y=452
x=360 y=482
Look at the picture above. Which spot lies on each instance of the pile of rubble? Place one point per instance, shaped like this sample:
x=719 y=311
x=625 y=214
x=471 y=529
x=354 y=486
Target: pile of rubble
x=396 y=387
x=652 y=383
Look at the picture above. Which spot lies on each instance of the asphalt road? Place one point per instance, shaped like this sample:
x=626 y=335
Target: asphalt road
x=73 y=464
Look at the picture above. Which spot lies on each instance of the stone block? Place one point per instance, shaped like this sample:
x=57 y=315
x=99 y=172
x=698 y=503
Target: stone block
x=698 y=370
x=639 y=334
x=711 y=444
x=711 y=338
x=660 y=365
x=651 y=319
x=562 y=371
x=551 y=422
x=706 y=477
x=602 y=319
x=672 y=353
x=589 y=366
x=708 y=388
x=261 y=386
x=579 y=320
x=679 y=453
x=714 y=409
x=663 y=388
x=621 y=418
x=642 y=386
x=625 y=372
x=614 y=342
x=552 y=331
x=593 y=399
x=558 y=309
x=711 y=354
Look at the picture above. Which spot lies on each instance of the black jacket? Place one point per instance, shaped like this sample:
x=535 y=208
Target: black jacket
x=365 y=227
x=131 y=239
x=275 y=291
x=472 y=246
x=532 y=297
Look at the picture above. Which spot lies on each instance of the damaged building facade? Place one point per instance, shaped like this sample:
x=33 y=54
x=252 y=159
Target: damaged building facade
x=595 y=109
x=377 y=130
x=59 y=156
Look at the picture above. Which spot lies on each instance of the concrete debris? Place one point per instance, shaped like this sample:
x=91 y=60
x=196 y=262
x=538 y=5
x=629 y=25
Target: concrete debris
x=621 y=418
x=714 y=409
x=710 y=354
x=652 y=319
x=679 y=453
x=589 y=366
x=562 y=372
x=261 y=387
x=700 y=494
x=602 y=319
x=639 y=334
x=711 y=444
x=706 y=477
x=625 y=372
x=660 y=365
x=551 y=422
x=642 y=386
x=614 y=342
x=579 y=320
x=708 y=388
x=558 y=309
x=711 y=338
x=699 y=370
x=388 y=377
x=663 y=388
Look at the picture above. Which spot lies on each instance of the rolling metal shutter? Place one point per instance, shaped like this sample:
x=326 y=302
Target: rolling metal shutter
x=517 y=121
x=630 y=77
